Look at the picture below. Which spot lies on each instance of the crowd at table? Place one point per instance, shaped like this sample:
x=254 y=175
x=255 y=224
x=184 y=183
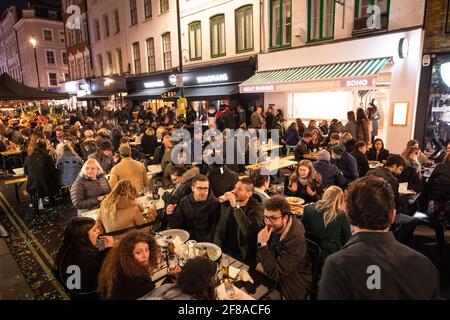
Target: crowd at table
x=349 y=185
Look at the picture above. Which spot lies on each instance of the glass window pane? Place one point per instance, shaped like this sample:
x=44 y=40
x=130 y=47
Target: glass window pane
x=363 y=7
x=198 y=41
x=222 y=35
x=275 y=23
x=249 y=28
x=240 y=30
x=286 y=22
x=382 y=4
x=328 y=18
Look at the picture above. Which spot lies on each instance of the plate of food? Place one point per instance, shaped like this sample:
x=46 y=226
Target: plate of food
x=183 y=235
x=214 y=252
x=294 y=201
x=298 y=209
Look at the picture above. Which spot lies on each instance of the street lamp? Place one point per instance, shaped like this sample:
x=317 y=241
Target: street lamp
x=33 y=42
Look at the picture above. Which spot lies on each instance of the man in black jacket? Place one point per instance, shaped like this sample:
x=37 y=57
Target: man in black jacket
x=373 y=265
x=197 y=213
x=282 y=250
x=302 y=146
x=331 y=175
x=240 y=220
x=361 y=159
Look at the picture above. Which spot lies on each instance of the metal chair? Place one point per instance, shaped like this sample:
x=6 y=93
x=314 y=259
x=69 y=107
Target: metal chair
x=314 y=253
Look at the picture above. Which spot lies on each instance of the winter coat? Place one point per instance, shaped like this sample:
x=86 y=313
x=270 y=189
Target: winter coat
x=88 y=147
x=257 y=120
x=439 y=183
x=250 y=220
x=350 y=127
x=292 y=137
x=131 y=170
x=130 y=288
x=222 y=181
x=149 y=144
x=331 y=175
x=85 y=191
x=42 y=175
x=348 y=166
x=107 y=163
x=198 y=218
x=380 y=157
x=362 y=162
x=363 y=132
x=69 y=166
x=301 y=149
x=285 y=261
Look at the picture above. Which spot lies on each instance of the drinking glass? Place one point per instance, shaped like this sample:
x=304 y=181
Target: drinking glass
x=172 y=262
x=182 y=256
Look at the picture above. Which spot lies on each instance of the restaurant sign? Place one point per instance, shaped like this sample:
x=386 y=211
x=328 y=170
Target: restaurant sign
x=358 y=82
x=223 y=77
x=259 y=88
x=154 y=84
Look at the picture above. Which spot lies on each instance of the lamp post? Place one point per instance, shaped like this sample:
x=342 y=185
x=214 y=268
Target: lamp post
x=33 y=42
x=180 y=51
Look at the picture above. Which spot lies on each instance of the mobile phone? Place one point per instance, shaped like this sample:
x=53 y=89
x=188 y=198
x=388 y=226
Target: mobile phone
x=101 y=243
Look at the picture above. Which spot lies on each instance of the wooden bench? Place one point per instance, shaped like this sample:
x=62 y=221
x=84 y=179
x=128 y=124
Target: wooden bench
x=17 y=182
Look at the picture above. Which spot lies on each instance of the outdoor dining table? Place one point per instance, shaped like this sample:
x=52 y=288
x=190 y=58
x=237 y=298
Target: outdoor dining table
x=272 y=164
x=261 y=287
x=10 y=156
x=312 y=156
x=154 y=169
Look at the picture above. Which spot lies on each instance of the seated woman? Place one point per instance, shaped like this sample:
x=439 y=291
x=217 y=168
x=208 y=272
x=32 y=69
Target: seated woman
x=69 y=166
x=411 y=157
x=40 y=169
x=149 y=142
x=90 y=187
x=439 y=184
x=128 y=268
x=119 y=209
x=326 y=221
x=378 y=152
x=197 y=281
x=79 y=248
x=305 y=182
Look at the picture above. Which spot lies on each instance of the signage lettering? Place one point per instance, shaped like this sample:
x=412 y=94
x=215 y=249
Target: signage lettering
x=173 y=79
x=213 y=78
x=264 y=88
x=353 y=83
x=154 y=84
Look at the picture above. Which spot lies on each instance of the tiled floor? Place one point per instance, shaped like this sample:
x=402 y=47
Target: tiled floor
x=13 y=285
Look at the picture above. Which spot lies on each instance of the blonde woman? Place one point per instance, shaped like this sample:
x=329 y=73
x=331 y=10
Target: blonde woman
x=90 y=187
x=120 y=210
x=326 y=220
x=305 y=182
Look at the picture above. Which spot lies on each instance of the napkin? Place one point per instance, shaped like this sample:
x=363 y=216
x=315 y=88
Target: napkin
x=245 y=276
x=239 y=294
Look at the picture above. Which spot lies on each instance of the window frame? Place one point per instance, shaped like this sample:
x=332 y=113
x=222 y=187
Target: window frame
x=163 y=53
x=161 y=7
x=447 y=19
x=211 y=20
x=46 y=57
x=100 y=64
x=146 y=3
x=49 y=80
x=98 y=34
x=243 y=9
x=190 y=25
x=62 y=57
x=271 y=46
x=321 y=20
x=372 y=2
x=51 y=32
x=133 y=13
x=147 y=41
x=138 y=57
x=106 y=26
x=119 y=60
x=110 y=61
x=117 y=20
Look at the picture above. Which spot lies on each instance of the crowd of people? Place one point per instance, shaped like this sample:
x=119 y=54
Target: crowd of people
x=354 y=213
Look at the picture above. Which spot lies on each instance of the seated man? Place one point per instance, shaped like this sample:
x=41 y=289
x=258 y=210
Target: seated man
x=302 y=146
x=197 y=213
x=331 y=175
x=261 y=183
x=240 y=220
x=345 y=162
x=361 y=159
x=373 y=265
x=282 y=250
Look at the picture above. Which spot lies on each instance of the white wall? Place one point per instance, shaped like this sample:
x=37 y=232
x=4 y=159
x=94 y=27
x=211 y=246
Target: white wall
x=405 y=72
x=203 y=10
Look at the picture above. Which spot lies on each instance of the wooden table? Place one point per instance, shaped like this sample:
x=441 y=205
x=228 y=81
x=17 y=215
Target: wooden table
x=270 y=147
x=311 y=156
x=17 y=182
x=154 y=169
x=272 y=165
x=263 y=284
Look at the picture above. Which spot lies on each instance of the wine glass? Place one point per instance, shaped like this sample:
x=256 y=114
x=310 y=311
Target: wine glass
x=182 y=255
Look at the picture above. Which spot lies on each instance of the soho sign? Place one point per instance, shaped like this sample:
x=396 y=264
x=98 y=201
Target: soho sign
x=351 y=83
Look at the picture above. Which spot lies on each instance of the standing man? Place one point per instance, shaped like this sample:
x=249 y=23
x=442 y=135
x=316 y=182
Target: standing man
x=282 y=253
x=197 y=213
x=257 y=119
x=373 y=265
x=240 y=221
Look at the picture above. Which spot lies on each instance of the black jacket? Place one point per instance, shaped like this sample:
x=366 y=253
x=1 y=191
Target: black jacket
x=131 y=288
x=198 y=218
x=222 y=180
x=303 y=193
x=373 y=156
x=286 y=261
x=331 y=175
x=404 y=274
x=149 y=144
x=42 y=175
x=411 y=176
x=362 y=162
x=301 y=149
x=439 y=183
x=250 y=220
x=389 y=177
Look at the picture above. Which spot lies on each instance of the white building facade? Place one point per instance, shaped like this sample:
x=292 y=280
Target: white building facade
x=321 y=59
x=51 y=55
x=9 y=56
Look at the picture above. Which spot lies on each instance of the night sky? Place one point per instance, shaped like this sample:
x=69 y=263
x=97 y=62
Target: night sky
x=7 y=3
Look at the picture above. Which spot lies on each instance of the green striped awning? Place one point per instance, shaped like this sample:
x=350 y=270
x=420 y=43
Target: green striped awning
x=323 y=72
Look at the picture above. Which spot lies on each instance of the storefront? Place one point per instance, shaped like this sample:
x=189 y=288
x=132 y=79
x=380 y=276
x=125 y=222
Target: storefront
x=153 y=91
x=311 y=83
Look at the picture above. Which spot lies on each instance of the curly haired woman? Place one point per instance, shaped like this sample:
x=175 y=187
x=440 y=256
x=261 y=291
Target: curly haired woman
x=128 y=268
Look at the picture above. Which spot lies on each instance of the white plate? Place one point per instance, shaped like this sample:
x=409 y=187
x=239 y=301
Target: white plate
x=295 y=201
x=214 y=251
x=182 y=234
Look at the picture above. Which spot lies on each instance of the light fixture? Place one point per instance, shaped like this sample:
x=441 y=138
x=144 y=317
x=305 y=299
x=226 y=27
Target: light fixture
x=445 y=73
x=33 y=42
x=403 y=48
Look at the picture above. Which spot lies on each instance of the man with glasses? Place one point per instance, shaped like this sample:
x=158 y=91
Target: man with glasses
x=282 y=253
x=241 y=219
x=197 y=213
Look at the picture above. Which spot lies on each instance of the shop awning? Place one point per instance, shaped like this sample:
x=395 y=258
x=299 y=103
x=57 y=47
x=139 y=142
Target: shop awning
x=148 y=93
x=10 y=89
x=211 y=91
x=363 y=68
x=103 y=95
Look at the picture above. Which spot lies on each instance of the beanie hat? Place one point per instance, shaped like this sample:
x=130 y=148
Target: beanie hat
x=338 y=149
x=324 y=155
